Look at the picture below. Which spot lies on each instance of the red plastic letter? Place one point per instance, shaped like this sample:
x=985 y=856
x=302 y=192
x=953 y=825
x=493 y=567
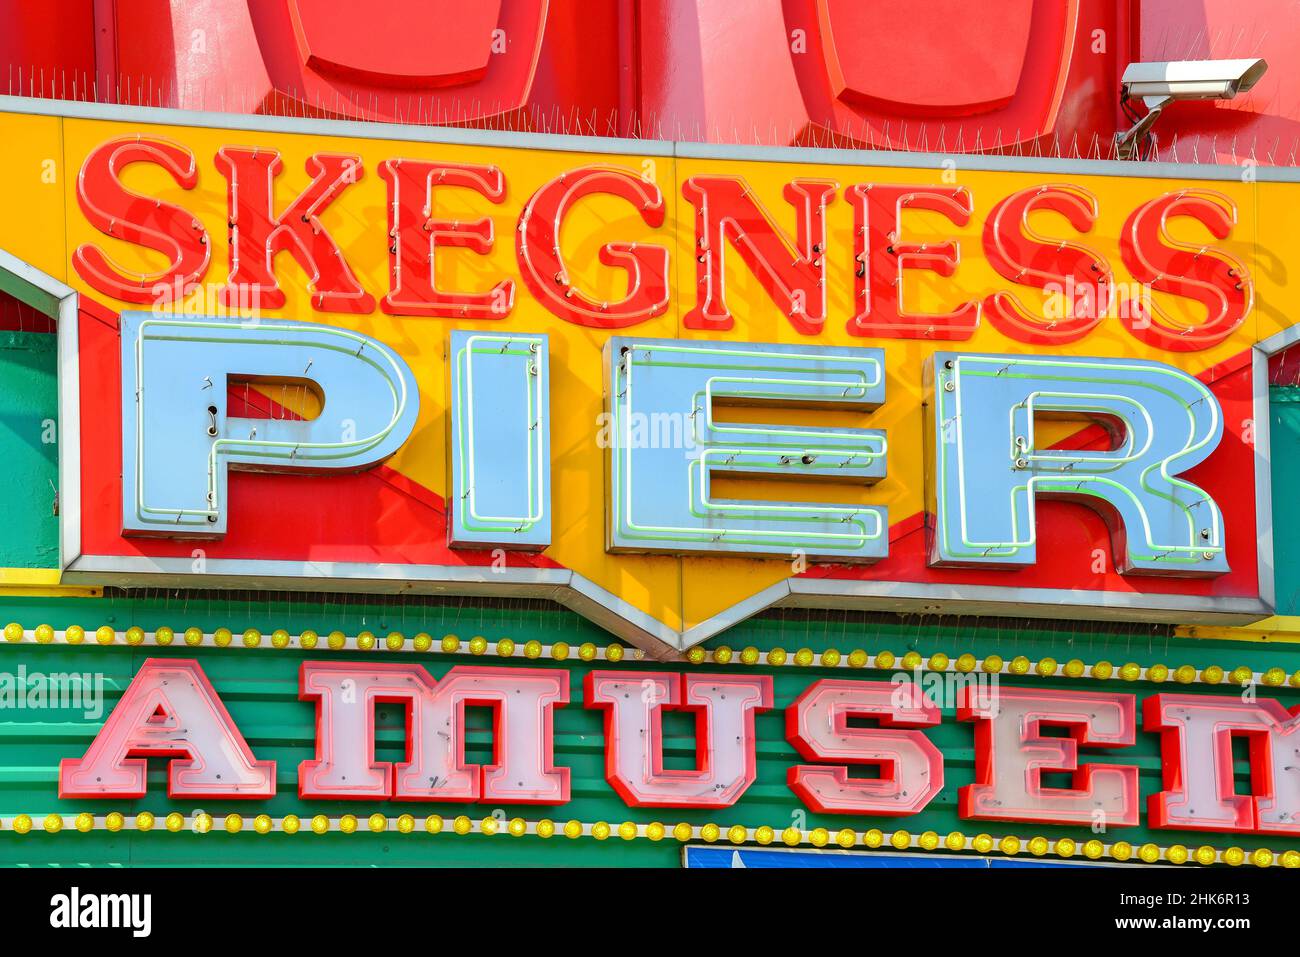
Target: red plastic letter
x=116 y=211
x=724 y=707
x=1196 y=735
x=1211 y=277
x=414 y=238
x=1066 y=269
x=794 y=274
x=1011 y=756
x=257 y=234
x=537 y=244
x=911 y=767
x=880 y=256
x=524 y=701
x=169 y=710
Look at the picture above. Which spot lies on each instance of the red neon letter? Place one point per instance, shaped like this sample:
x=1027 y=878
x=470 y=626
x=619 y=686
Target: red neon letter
x=880 y=256
x=1196 y=748
x=537 y=243
x=1011 y=756
x=1024 y=256
x=724 y=707
x=911 y=767
x=414 y=238
x=116 y=211
x=794 y=274
x=524 y=701
x=170 y=710
x=1211 y=277
x=257 y=234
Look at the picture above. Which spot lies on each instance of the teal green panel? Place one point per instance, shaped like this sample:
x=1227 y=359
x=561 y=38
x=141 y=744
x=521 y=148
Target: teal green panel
x=29 y=527
x=259 y=686
x=1284 y=414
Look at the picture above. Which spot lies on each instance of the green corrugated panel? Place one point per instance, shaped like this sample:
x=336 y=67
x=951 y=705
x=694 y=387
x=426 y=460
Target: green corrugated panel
x=259 y=687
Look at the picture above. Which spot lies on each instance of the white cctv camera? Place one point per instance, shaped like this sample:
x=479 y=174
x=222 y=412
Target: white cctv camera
x=1159 y=84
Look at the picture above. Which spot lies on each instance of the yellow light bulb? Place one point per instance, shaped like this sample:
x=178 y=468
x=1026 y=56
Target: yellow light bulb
x=1121 y=850
x=683 y=832
x=433 y=823
x=1158 y=673
x=366 y=640
x=573 y=830
x=422 y=642
x=655 y=831
x=517 y=827
x=982 y=843
x=222 y=637
x=377 y=823
x=13 y=632
x=105 y=635
x=587 y=651
x=1130 y=671
x=846 y=838
x=1273 y=677
x=819 y=837
x=696 y=655
x=290 y=825
x=873 y=838
x=1074 y=668
x=505 y=648
x=1103 y=670
x=75 y=635
x=489 y=826
x=1046 y=667
x=1242 y=675
x=1234 y=857
x=1019 y=665
x=53 y=823
x=627 y=831
x=737 y=834
x=262 y=824
x=955 y=841
x=280 y=638
x=22 y=823
x=1205 y=855
x=394 y=641
x=405 y=824
x=803 y=657
x=175 y=822
x=1185 y=674
x=545 y=828
x=114 y=821
x=709 y=832
x=144 y=821
x=901 y=839
x=320 y=824
x=722 y=655
x=1149 y=853
x=533 y=649
x=252 y=638
x=1177 y=854
x=308 y=639
x=928 y=840
x=202 y=822
x=1291 y=859
x=348 y=823
x=1065 y=847
x=831 y=658
x=44 y=634
x=993 y=664
x=1037 y=846
x=791 y=836
x=462 y=825
x=163 y=635
x=85 y=821
x=776 y=657
x=857 y=658
x=1212 y=675
x=233 y=823
x=967 y=663
x=560 y=650
x=450 y=644
x=911 y=661
x=885 y=660
x=764 y=835
x=477 y=645
x=1009 y=845
x=615 y=653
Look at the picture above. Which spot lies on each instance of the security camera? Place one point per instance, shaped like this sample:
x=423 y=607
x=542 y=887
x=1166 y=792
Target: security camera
x=1159 y=84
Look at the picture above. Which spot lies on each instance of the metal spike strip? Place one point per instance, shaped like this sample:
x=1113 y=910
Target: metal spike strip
x=478 y=646
x=1008 y=845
